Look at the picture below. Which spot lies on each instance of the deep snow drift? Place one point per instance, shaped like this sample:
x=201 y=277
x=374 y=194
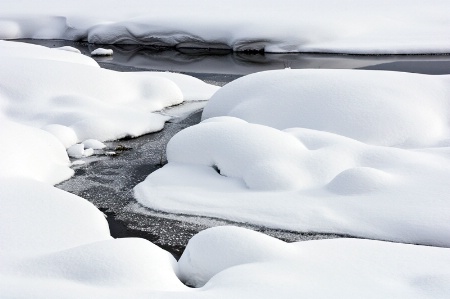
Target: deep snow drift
x=353 y=152
x=70 y=96
x=374 y=27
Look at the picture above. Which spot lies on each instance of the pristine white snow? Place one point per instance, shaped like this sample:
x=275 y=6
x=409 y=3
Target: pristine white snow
x=238 y=263
x=363 y=153
x=38 y=218
x=346 y=26
x=44 y=260
x=55 y=244
x=31 y=153
x=375 y=107
x=68 y=95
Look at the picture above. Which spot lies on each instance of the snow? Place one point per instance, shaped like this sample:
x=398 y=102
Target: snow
x=389 y=108
x=361 y=153
x=80 y=151
x=233 y=262
x=64 y=134
x=76 y=100
x=32 y=153
x=377 y=27
x=193 y=89
x=38 y=218
x=76 y=151
x=55 y=244
x=18 y=50
x=45 y=261
x=141 y=265
x=217 y=249
x=58 y=244
x=102 y=52
x=93 y=144
x=69 y=49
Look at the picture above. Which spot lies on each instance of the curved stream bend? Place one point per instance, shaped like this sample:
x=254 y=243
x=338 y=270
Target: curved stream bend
x=108 y=181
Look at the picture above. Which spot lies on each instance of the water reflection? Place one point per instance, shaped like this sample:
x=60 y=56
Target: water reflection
x=225 y=62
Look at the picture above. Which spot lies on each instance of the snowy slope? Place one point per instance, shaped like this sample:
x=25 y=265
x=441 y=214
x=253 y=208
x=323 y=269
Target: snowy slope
x=364 y=153
x=379 y=26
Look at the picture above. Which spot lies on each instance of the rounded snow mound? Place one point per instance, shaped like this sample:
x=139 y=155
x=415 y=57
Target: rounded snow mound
x=216 y=249
x=240 y=150
x=87 y=102
x=372 y=107
x=265 y=158
x=38 y=218
x=32 y=153
x=128 y=262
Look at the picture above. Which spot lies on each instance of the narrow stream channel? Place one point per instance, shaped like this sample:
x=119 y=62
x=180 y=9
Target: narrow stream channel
x=108 y=181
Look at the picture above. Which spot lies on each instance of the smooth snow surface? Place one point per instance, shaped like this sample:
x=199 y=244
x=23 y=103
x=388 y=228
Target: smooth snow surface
x=237 y=263
x=223 y=262
x=38 y=218
x=55 y=245
x=364 y=153
x=346 y=26
x=31 y=153
x=375 y=107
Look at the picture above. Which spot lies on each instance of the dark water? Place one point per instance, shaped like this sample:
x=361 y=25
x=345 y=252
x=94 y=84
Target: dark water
x=224 y=65
x=108 y=181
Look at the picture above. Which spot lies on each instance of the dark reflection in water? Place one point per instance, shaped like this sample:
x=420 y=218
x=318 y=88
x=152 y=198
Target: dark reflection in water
x=225 y=62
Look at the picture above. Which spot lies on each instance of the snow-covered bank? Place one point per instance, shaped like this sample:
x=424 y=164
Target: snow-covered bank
x=238 y=263
x=69 y=95
x=50 y=99
x=225 y=262
x=53 y=242
x=57 y=245
x=353 y=152
x=372 y=27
